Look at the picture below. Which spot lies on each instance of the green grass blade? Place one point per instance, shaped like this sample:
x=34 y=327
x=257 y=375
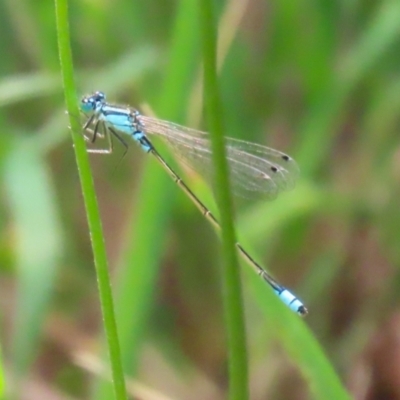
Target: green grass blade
x=300 y=345
x=92 y=211
x=233 y=305
x=326 y=114
x=2 y=377
x=38 y=249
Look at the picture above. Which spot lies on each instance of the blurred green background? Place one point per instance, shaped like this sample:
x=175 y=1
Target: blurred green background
x=319 y=80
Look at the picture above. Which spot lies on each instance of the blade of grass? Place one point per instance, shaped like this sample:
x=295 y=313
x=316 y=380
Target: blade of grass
x=227 y=28
x=318 y=130
x=233 y=304
x=92 y=211
x=20 y=87
x=300 y=344
x=37 y=249
x=2 y=377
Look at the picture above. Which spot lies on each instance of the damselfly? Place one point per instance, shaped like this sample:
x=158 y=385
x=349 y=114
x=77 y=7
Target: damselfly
x=253 y=168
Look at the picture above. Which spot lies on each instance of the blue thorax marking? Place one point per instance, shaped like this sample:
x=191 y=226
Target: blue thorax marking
x=117 y=118
x=125 y=121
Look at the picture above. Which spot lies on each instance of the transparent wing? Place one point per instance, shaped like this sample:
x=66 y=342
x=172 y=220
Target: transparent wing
x=254 y=169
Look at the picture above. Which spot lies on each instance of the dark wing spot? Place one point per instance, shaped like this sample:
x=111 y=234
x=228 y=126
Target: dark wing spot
x=274 y=169
x=285 y=157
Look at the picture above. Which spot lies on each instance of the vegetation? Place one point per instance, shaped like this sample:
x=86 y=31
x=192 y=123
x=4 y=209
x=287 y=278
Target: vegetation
x=318 y=80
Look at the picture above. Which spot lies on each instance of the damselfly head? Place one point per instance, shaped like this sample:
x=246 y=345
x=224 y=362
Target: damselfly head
x=92 y=102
